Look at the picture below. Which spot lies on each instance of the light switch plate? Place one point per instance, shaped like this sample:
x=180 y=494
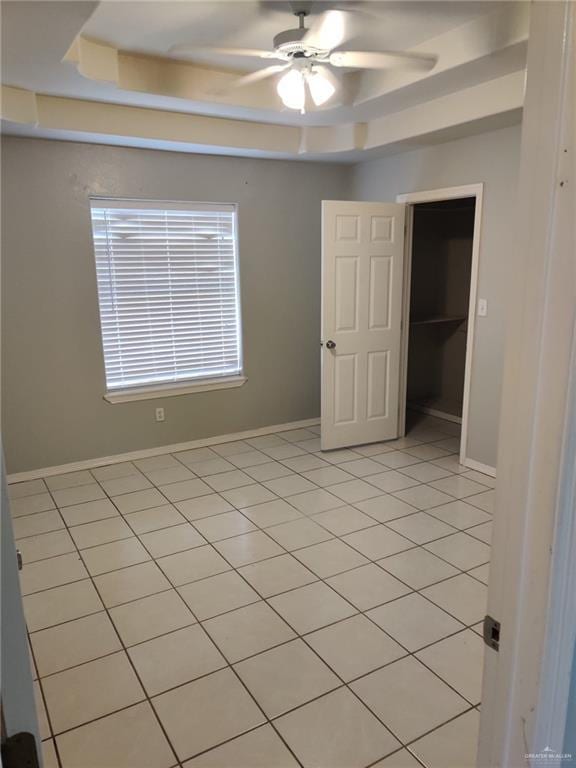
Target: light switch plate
x=482 y=307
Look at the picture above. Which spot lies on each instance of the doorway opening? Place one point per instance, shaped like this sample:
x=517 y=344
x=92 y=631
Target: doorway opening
x=441 y=269
x=442 y=236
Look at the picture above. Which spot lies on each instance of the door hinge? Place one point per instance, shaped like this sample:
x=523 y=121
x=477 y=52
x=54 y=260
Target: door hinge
x=19 y=751
x=491 y=633
x=19 y=559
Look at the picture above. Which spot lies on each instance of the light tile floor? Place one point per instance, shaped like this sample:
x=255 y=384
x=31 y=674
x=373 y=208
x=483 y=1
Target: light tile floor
x=260 y=604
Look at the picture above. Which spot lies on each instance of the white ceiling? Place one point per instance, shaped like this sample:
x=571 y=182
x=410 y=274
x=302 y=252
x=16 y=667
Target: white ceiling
x=476 y=43
x=154 y=27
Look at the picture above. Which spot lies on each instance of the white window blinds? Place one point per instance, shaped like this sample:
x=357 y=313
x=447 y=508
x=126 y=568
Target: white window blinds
x=168 y=291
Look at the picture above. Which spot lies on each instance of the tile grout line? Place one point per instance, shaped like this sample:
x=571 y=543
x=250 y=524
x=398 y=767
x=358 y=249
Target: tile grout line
x=316 y=578
x=298 y=636
x=358 y=612
x=368 y=617
x=127 y=655
x=283 y=498
x=303 y=516
x=148 y=698
x=334 y=537
x=290 y=552
x=276 y=434
x=345 y=684
x=139 y=472
x=253 y=481
x=238 y=677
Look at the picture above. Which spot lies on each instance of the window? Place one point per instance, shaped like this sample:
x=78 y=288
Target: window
x=167 y=278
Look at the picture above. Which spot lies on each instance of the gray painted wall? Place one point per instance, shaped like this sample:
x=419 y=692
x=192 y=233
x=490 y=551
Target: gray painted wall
x=491 y=158
x=53 y=375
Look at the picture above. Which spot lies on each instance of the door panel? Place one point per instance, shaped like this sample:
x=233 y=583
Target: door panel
x=345 y=402
x=362 y=269
x=380 y=289
x=378 y=385
x=346 y=310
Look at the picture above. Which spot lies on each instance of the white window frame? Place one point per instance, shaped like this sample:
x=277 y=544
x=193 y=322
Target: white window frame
x=185 y=386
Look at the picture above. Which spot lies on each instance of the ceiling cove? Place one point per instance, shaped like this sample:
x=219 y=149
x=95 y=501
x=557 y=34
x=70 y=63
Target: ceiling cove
x=133 y=85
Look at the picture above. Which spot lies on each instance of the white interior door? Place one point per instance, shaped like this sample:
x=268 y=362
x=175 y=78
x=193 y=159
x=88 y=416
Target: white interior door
x=362 y=269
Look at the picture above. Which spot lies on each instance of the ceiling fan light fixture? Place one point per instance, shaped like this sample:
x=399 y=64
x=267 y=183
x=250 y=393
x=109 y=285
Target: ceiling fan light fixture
x=322 y=85
x=291 y=89
x=309 y=56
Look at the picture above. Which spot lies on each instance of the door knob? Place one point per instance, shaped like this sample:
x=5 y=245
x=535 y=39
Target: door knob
x=330 y=344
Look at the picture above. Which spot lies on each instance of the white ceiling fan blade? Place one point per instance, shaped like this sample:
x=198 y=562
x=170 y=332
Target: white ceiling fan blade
x=382 y=60
x=322 y=84
x=260 y=74
x=330 y=30
x=253 y=53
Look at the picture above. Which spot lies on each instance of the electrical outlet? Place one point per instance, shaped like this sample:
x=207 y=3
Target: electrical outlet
x=160 y=414
x=482 y=307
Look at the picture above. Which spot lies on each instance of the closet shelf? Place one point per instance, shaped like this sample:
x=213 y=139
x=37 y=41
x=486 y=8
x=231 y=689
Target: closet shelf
x=438 y=319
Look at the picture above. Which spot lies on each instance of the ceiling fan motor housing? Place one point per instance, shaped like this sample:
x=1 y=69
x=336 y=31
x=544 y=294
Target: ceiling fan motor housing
x=291 y=43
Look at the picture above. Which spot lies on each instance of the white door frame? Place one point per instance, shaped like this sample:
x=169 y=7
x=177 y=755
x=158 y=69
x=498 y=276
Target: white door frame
x=531 y=590
x=16 y=689
x=432 y=196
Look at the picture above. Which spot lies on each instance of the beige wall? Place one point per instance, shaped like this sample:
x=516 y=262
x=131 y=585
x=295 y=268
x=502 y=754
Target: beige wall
x=491 y=158
x=53 y=377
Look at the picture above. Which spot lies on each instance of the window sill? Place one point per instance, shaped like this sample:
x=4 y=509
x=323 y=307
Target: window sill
x=172 y=390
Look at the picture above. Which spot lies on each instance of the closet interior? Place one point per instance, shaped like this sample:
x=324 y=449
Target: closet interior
x=442 y=237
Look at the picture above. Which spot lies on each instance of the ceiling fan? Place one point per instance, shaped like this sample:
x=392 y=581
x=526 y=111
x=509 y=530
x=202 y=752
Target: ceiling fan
x=309 y=54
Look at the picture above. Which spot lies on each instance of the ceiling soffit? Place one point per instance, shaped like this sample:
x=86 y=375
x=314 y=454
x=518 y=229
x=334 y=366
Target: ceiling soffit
x=104 y=94
x=74 y=118
x=470 y=53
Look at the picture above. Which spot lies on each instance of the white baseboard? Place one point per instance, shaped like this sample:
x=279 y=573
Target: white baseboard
x=435 y=412
x=486 y=469
x=34 y=474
